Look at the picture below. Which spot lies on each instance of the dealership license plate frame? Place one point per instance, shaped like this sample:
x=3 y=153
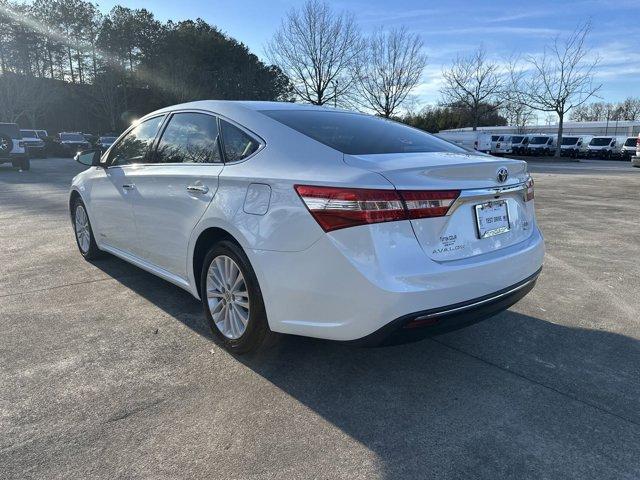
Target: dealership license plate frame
x=496 y=206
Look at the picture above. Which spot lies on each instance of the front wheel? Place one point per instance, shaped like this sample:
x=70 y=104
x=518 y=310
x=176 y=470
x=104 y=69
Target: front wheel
x=232 y=299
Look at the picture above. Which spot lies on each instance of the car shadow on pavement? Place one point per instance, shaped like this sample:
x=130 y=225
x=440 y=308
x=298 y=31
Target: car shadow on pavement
x=514 y=396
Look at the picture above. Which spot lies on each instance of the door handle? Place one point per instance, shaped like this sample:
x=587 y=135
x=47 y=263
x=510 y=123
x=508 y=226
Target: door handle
x=198 y=189
x=128 y=186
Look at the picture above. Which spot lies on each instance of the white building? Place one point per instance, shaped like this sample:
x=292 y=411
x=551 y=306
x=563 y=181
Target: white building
x=629 y=128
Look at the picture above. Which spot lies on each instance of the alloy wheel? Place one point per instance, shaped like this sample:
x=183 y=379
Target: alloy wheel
x=227 y=297
x=4 y=144
x=83 y=233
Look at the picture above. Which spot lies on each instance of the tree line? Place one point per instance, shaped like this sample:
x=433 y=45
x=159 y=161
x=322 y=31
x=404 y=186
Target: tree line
x=65 y=65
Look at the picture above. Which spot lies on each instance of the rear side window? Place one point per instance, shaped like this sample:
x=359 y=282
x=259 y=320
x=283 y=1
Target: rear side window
x=358 y=134
x=134 y=146
x=190 y=138
x=237 y=144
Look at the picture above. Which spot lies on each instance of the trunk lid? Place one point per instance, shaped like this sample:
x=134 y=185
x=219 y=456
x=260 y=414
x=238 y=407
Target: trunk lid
x=457 y=235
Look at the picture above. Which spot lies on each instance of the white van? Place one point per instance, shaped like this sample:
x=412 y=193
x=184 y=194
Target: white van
x=483 y=143
x=606 y=147
x=635 y=161
x=494 y=141
x=503 y=145
x=468 y=140
x=575 y=146
x=629 y=148
x=519 y=144
x=540 y=145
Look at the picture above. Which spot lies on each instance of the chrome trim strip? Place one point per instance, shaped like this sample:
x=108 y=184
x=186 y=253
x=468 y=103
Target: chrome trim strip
x=483 y=193
x=480 y=302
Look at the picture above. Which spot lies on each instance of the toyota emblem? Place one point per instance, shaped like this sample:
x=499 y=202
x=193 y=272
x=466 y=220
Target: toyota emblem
x=503 y=174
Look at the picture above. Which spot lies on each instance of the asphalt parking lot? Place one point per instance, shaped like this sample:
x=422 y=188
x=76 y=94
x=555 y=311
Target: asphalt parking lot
x=109 y=372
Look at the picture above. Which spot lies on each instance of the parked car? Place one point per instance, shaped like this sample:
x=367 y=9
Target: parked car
x=36 y=147
x=311 y=221
x=12 y=147
x=575 y=146
x=503 y=145
x=540 y=145
x=629 y=148
x=519 y=144
x=70 y=143
x=89 y=137
x=606 y=147
x=104 y=143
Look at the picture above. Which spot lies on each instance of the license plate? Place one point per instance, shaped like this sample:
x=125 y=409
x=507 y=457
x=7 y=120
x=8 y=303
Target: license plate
x=492 y=218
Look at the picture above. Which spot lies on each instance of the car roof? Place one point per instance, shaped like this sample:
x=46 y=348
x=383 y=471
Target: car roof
x=235 y=106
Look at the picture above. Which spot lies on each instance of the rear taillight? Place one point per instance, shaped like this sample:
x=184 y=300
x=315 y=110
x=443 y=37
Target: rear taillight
x=335 y=207
x=428 y=203
x=528 y=195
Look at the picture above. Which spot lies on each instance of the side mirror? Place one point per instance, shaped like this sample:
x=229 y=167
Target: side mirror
x=90 y=158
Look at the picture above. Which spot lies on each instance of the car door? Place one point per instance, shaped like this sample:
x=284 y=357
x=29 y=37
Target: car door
x=173 y=192
x=112 y=189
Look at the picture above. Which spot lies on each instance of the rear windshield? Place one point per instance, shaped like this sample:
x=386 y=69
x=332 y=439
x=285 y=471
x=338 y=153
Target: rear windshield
x=72 y=137
x=631 y=142
x=569 y=140
x=538 y=140
x=357 y=134
x=601 y=142
x=28 y=133
x=10 y=129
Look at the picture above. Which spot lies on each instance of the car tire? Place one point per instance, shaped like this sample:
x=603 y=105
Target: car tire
x=86 y=241
x=6 y=144
x=240 y=329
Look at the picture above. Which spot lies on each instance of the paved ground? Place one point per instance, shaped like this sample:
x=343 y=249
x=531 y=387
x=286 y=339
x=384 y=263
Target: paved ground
x=108 y=372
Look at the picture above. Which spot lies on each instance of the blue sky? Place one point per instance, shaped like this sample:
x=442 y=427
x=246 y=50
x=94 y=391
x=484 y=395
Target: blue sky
x=447 y=28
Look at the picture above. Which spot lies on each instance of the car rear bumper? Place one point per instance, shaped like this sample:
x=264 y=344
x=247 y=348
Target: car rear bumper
x=419 y=325
x=357 y=281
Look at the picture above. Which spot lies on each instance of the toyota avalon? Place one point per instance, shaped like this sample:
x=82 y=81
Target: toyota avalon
x=295 y=219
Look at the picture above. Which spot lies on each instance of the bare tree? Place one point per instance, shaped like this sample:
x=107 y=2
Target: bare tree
x=318 y=49
x=474 y=81
x=391 y=67
x=561 y=79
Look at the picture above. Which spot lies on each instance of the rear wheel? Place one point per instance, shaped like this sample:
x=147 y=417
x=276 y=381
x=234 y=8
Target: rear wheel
x=82 y=228
x=232 y=299
x=6 y=144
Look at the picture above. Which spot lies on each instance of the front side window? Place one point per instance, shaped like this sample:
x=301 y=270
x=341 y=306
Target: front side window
x=237 y=144
x=134 y=146
x=190 y=138
x=358 y=134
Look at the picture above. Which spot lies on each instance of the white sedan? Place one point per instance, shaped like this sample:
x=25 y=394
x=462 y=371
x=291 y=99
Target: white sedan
x=311 y=221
